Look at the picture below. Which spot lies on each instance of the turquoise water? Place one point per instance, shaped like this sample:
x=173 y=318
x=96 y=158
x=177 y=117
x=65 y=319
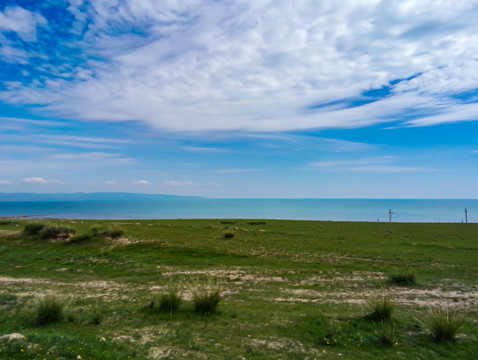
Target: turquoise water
x=199 y=208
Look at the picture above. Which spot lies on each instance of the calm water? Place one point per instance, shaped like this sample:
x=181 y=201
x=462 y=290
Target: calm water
x=194 y=208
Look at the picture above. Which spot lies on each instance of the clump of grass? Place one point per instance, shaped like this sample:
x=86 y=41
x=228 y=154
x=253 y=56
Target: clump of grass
x=229 y=234
x=111 y=233
x=33 y=229
x=442 y=323
x=402 y=277
x=379 y=308
x=386 y=336
x=96 y=317
x=45 y=231
x=170 y=299
x=257 y=223
x=227 y=222
x=50 y=309
x=80 y=238
x=206 y=296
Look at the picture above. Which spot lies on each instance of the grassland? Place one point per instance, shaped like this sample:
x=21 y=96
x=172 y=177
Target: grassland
x=290 y=289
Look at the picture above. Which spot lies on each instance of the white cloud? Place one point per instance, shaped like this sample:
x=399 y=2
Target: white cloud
x=178 y=183
x=21 y=21
x=261 y=65
x=40 y=180
x=234 y=171
x=141 y=182
x=206 y=150
x=100 y=157
x=5 y=182
x=175 y=183
x=381 y=164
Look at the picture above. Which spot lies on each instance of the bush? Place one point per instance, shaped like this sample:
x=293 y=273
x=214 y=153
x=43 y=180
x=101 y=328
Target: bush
x=206 y=297
x=53 y=232
x=49 y=309
x=170 y=300
x=229 y=234
x=379 y=308
x=44 y=231
x=80 y=238
x=402 y=277
x=112 y=233
x=442 y=324
x=33 y=229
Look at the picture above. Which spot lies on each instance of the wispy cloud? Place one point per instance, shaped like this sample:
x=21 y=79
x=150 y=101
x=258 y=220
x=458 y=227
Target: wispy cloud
x=22 y=22
x=94 y=156
x=140 y=182
x=257 y=66
x=5 y=182
x=235 y=171
x=176 y=183
x=206 y=150
x=382 y=164
x=40 y=180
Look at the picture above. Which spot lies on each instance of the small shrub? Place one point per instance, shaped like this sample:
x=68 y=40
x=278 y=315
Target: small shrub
x=206 y=297
x=227 y=222
x=111 y=233
x=33 y=229
x=96 y=316
x=379 y=308
x=386 y=336
x=229 y=234
x=54 y=232
x=44 y=231
x=49 y=310
x=114 y=234
x=170 y=300
x=401 y=277
x=257 y=223
x=442 y=324
x=80 y=238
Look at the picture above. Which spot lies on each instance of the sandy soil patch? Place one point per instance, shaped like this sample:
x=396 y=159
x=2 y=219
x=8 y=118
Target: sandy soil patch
x=233 y=275
x=438 y=297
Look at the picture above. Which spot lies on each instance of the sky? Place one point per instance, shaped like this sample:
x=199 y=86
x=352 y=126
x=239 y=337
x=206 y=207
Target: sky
x=240 y=98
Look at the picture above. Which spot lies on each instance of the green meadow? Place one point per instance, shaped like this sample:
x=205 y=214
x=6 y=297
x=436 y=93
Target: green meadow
x=287 y=290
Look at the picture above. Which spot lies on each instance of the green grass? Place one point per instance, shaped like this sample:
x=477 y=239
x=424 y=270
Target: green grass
x=288 y=289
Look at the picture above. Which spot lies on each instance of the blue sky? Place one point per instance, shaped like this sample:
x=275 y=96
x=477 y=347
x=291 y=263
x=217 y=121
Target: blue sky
x=240 y=98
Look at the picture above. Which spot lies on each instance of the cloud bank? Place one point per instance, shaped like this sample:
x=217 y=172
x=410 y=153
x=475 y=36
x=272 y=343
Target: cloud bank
x=248 y=65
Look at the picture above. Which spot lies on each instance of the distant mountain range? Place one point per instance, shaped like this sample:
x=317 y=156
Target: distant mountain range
x=102 y=196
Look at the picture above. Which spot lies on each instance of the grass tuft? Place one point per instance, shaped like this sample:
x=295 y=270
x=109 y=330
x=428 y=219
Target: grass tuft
x=229 y=234
x=44 y=231
x=379 y=308
x=77 y=239
x=50 y=309
x=386 y=336
x=402 y=277
x=442 y=323
x=170 y=299
x=206 y=296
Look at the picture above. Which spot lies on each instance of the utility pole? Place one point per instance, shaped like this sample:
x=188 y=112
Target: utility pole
x=390 y=215
x=466 y=216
